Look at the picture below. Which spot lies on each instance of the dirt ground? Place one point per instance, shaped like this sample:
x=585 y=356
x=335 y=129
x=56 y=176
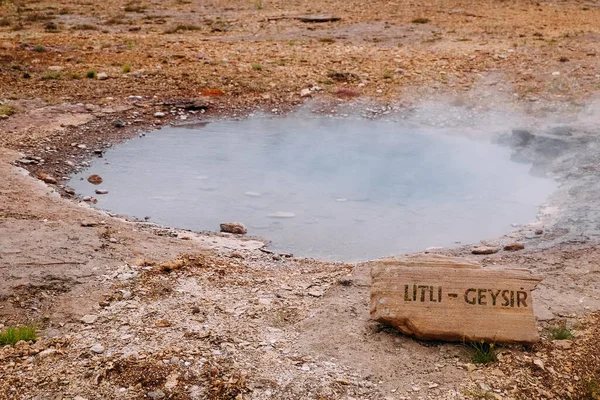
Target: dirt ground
x=130 y=310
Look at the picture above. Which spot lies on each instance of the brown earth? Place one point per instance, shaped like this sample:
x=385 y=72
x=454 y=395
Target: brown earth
x=252 y=324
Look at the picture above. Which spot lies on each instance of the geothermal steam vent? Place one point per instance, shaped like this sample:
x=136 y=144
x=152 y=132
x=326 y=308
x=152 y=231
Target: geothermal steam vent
x=444 y=298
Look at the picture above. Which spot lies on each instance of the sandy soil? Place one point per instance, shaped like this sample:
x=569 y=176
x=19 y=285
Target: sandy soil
x=187 y=315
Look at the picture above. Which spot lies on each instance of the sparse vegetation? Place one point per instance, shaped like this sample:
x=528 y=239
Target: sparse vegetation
x=483 y=353
x=4 y=21
x=84 y=27
x=561 y=333
x=91 y=74
x=259 y=5
x=257 y=67
x=182 y=28
x=327 y=40
x=593 y=388
x=133 y=7
x=388 y=75
x=12 y=335
x=8 y=109
x=38 y=48
x=51 y=75
x=75 y=75
x=420 y=21
x=126 y=69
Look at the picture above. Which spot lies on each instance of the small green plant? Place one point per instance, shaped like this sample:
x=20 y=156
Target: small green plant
x=75 y=75
x=388 y=75
x=420 y=21
x=51 y=76
x=561 y=333
x=126 y=69
x=38 y=48
x=483 y=353
x=8 y=109
x=259 y=5
x=91 y=74
x=257 y=67
x=12 y=335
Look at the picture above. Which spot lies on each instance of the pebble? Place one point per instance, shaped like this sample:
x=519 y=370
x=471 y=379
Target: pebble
x=89 y=319
x=87 y=198
x=113 y=240
x=101 y=191
x=79 y=398
x=305 y=93
x=514 y=247
x=539 y=363
x=159 y=114
x=562 y=344
x=157 y=394
x=94 y=179
x=81 y=146
x=484 y=250
x=233 y=227
x=97 y=348
x=102 y=76
x=119 y=123
x=47 y=178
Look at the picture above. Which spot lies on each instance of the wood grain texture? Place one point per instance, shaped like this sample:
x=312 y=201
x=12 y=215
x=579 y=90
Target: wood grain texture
x=451 y=299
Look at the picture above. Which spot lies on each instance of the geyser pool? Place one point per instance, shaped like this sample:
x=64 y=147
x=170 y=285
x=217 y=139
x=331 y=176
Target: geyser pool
x=342 y=189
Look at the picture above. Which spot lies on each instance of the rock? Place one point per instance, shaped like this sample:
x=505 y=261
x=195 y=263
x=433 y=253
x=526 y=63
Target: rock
x=305 y=93
x=562 y=344
x=318 y=18
x=102 y=76
x=233 y=227
x=47 y=353
x=345 y=280
x=119 y=123
x=89 y=224
x=47 y=178
x=113 y=240
x=159 y=114
x=101 y=191
x=282 y=214
x=514 y=247
x=89 y=319
x=539 y=231
x=484 y=250
x=163 y=323
x=95 y=179
x=155 y=395
x=97 y=348
x=435 y=297
x=539 y=363
x=235 y=254
x=70 y=191
x=316 y=291
x=87 y=198
x=79 y=398
x=81 y=146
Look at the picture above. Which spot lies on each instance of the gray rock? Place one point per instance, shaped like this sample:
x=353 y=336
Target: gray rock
x=97 y=348
x=89 y=319
x=101 y=191
x=119 y=123
x=157 y=394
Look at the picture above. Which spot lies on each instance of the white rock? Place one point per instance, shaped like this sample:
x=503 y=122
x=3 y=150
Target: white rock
x=89 y=319
x=97 y=348
x=159 y=114
x=102 y=76
x=305 y=93
x=539 y=363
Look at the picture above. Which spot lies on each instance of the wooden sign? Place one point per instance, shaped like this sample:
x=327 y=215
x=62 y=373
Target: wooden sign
x=452 y=299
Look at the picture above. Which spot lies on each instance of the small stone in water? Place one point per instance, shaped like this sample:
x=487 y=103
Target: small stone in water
x=484 y=250
x=101 y=191
x=514 y=247
x=95 y=179
x=233 y=227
